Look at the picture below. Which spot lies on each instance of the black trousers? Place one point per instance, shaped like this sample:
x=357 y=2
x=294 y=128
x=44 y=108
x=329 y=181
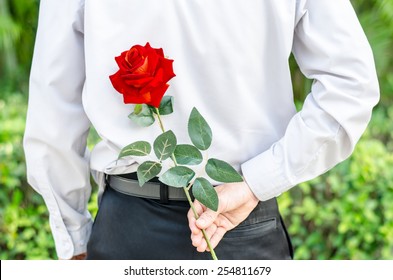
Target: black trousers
x=132 y=228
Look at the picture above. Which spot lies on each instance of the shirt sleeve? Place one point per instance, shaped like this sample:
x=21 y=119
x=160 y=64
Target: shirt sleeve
x=57 y=126
x=330 y=48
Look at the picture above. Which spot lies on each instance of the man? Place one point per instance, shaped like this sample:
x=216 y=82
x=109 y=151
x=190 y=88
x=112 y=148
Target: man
x=231 y=62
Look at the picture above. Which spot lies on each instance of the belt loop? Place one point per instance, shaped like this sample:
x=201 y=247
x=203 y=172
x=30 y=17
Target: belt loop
x=164 y=193
x=107 y=179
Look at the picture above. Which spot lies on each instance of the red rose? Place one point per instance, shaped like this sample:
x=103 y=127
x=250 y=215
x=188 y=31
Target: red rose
x=143 y=75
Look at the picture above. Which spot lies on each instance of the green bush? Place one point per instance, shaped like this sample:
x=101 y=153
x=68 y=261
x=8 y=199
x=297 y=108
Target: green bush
x=24 y=227
x=18 y=21
x=24 y=230
x=346 y=213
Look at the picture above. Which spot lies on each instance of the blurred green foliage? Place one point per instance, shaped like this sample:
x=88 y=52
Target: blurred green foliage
x=346 y=213
x=18 y=21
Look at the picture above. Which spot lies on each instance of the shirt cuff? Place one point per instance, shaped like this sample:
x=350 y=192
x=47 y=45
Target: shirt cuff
x=71 y=243
x=80 y=238
x=265 y=176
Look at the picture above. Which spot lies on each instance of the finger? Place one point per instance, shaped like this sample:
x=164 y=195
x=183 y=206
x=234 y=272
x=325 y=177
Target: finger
x=199 y=208
x=202 y=246
x=190 y=214
x=191 y=223
x=198 y=236
x=210 y=231
x=206 y=219
x=217 y=236
x=197 y=239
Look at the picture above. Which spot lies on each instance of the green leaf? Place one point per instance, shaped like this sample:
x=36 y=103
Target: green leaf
x=222 y=171
x=188 y=155
x=203 y=190
x=199 y=131
x=165 y=145
x=142 y=115
x=148 y=170
x=140 y=148
x=177 y=177
x=166 y=105
x=138 y=109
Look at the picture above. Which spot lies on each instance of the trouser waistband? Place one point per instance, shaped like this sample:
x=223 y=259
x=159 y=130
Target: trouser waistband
x=154 y=189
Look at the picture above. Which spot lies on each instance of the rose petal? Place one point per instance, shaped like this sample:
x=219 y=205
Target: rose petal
x=153 y=62
x=167 y=67
x=131 y=76
x=138 y=82
x=159 y=52
x=134 y=98
x=157 y=94
x=158 y=79
x=118 y=82
x=121 y=62
x=143 y=68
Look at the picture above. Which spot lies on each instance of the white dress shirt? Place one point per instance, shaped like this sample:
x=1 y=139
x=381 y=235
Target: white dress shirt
x=231 y=62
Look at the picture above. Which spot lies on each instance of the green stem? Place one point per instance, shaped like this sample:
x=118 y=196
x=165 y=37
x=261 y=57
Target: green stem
x=203 y=231
x=159 y=120
x=186 y=191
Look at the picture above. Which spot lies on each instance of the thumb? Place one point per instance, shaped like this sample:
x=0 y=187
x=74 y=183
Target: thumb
x=206 y=218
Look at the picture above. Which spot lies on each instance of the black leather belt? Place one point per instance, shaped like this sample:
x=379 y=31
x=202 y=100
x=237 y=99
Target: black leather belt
x=154 y=189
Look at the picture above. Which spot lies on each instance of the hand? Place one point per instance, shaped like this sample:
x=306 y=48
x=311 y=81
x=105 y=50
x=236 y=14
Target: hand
x=236 y=201
x=79 y=257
